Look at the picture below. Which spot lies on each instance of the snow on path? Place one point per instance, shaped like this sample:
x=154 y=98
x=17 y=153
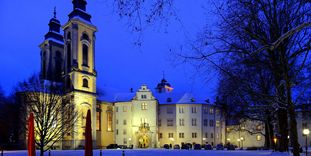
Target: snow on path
x=153 y=152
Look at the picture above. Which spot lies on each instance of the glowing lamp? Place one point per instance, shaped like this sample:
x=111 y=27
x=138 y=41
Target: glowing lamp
x=306 y=131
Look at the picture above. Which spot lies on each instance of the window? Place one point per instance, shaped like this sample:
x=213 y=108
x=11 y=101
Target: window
x=304 y=125
x=144 y=106
x=85 y=83
x=85 y=51
x=143 y=96
x=159 y=122
x=205 y=109
x=181 y=110
x=211 y=123
x=258 y=137
x=170 y=122
x=194 y=135
x=160 y=135
x=85 y=37
x=124 y=122
x=170 y=135
x=194 y=109
x=109 y=121
x=117 y=121
x=124 y=131
x=68 y=57
x=212 y=135
x=181 y=122
x=58 y=63
x=211 y=110
x=124 y=109
x=98 y=125
x=206 y=135
x=205 y=122
x=217 y=112
x=124 y=141
x=169 y=110
x=117 y=131
x=117 y=108
x=194 y=122
x=43 y=63
x=217 y=123
x=181 y=135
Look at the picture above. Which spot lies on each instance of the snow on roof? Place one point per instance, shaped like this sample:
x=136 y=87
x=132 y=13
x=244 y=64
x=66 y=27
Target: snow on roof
x=179 y=98
x=82 y=20
x=55 y=40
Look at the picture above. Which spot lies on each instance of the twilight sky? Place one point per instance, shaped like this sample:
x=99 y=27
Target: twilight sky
x=120 y=64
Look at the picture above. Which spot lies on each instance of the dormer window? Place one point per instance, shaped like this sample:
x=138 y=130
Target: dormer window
x=169 y=100
x=143 y=96
x=85 y=83
x=192 y=100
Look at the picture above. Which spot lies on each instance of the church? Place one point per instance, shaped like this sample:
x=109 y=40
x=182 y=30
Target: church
x=142 y=118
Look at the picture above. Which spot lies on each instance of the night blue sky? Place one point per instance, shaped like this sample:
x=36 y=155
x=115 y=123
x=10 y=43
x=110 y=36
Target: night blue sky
x=120 y=64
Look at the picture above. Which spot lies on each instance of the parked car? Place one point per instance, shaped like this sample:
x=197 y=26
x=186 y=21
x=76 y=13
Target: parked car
x=219 y=147
x=230 y=147
x=185 y=146
x=197 y=147
x=166 y=146
x=113 y=146
x=189 y=145
x=208 y=147
x=176 y=146
x=122 y=146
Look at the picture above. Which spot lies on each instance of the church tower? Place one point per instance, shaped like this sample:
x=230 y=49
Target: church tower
x=52 y=52
x=79 y=68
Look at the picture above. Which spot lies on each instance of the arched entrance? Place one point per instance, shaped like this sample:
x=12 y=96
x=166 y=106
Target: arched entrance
x=144 y=136
x=143 y=141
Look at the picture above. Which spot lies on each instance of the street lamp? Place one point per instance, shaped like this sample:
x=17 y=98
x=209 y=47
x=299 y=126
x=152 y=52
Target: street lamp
x=239 y=142
x=306 y=133
x=242 y=139
x=275 y=140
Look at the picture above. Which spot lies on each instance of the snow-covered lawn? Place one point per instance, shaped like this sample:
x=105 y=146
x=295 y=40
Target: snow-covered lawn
x=154 y=152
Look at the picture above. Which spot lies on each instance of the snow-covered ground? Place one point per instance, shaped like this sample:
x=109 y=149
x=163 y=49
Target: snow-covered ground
x=154 y=152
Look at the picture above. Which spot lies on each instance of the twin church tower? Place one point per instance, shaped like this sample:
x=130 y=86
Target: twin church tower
x=70 y=58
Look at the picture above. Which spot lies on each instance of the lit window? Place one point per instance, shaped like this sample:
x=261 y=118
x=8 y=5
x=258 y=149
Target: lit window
x=258 y=137
x=144 y=106
x=170 y=135
x=181 y=122
x=217 y=123
x=98 y=115
x=109 y=121
x=194 y=135
x=194 y=109
x=211 y=123
x=211 y=110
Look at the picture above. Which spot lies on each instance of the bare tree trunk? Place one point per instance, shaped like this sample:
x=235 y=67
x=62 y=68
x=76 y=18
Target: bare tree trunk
x=283 y=130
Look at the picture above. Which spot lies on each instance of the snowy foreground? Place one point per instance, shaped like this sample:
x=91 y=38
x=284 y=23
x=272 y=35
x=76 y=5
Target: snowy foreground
x=154 y=152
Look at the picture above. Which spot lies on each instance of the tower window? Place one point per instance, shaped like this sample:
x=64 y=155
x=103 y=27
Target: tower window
x=68 y=56
x=85 y=37
x=85 y=52
x=85 y=83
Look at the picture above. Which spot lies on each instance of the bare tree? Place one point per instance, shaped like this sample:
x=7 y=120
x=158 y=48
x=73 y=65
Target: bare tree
x=54 y=115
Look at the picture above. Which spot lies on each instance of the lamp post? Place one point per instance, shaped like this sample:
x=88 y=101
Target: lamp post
x=306 y=133
x=275 y=140
x=242 y=139
x=239 y=142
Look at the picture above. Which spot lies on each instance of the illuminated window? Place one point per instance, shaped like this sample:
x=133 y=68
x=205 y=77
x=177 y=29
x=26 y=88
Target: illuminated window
x=170 y=135
x=124 y=141
x=144 y=106
x=258 y=137
x=217 y=123
x=211 y=110
x=85 y=51
x=181 y=135
x=217 y=112
x=85 y=83
x=170 y=122
x=98 y=119
x=194 y=135
x=109 y=121
x=194 y=122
